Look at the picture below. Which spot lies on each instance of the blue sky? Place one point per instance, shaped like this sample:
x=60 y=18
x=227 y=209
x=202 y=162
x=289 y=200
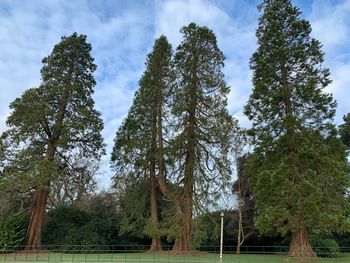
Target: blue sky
x=122 y=33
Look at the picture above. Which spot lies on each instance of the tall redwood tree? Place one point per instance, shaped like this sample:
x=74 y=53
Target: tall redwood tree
x=299 y=167
x=50 y=124
x=201 y=126
x=139 y=144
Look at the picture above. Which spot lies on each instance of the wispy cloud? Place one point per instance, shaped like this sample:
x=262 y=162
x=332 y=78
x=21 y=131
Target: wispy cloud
x=331 y=25
x=236 y=38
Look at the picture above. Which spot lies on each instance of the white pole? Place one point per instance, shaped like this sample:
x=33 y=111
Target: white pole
x=222 y=234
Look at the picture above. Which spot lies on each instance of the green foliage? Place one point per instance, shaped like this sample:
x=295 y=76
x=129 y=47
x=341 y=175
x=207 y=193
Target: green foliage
x=72 y=228
x=343 y=241
x=288 y=76
x=344 y=131
x=138 y=152
x=152 y=230
x=206 y=231
x=201 y=121
x=137 y=140
x=12 y=231
x=2 y=153
x=299 y=171
x=318 y=196
x=52 y=122
x=325 y=247
x=135 y=214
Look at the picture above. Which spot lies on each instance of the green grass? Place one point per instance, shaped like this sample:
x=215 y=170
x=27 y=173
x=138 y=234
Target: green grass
x=156 y=257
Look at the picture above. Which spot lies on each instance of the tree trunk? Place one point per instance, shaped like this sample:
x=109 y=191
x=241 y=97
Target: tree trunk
x=240 y=230
x=300 y=246
x=160 y=155
x=36 y=218
x=182 y=242
x=156 y=243
x=37 y=209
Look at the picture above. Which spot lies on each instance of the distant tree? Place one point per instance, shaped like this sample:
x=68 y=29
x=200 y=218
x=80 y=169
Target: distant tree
x=75 y=181
x=53 y=121
x=245 y=203
x=201 y=127
x=344 y=130
x=299 y=167
x=139 y=143
x=2 y=164
x=243 y=216
x=206 y=231
x=2 y=153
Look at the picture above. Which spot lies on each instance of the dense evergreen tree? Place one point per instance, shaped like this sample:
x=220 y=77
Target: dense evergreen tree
x=2 y=152
x=344 y=131
x=2 y=159
x=92 y=224
x=299 y=168
x=201 y=124
x=51 y=123
x=138 y=149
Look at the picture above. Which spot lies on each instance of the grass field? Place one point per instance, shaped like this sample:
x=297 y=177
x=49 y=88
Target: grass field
x=156 y=257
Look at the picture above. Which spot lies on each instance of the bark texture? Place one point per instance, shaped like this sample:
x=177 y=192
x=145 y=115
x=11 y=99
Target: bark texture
x=300 y=246
x=182 y=242
x=37 y=211
x=156 y=243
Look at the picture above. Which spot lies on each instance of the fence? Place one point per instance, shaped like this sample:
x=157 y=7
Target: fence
x=139 y=254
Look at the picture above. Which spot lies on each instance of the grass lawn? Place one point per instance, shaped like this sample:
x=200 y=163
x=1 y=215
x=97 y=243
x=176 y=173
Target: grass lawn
x=156 y=257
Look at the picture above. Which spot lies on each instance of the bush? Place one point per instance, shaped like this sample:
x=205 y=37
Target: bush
x=325 y=247
x=12 y=231
x=343 y=241
x=69 y=228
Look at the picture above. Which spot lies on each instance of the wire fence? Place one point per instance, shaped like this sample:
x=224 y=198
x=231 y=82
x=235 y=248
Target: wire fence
x=140 y=254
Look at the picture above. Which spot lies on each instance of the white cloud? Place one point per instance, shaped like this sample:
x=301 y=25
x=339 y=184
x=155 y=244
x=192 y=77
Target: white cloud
x=121 y=40
x=330 y=24
x=235 y=38
x=173 y=15
x=340 y=89
x=30 y=30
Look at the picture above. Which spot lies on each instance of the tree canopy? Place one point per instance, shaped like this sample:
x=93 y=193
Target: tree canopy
x=200 y=146
x=51 y=123
x=299 y=169
x=139 y=144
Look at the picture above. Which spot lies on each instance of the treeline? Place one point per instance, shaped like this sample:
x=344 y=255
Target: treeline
x=178 y=146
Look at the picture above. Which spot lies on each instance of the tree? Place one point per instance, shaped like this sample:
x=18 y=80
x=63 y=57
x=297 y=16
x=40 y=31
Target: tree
x=2 y=153
x=49 y=124
x=245 y=202
x=299 y=167
x=243 y=223
x=75 y=181
x=201 y=125
x=139 y=149
x=92 y=223
x=344 y=131
x=12 y=229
